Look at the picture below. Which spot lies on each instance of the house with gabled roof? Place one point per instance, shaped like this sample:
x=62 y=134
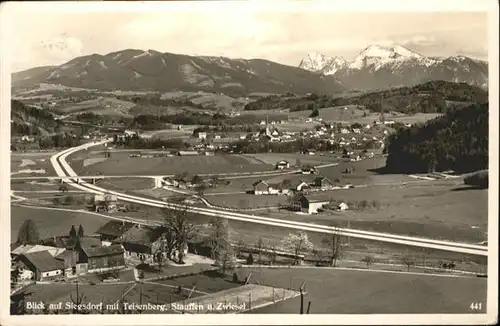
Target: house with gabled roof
x=308 y=204
x=112 y=231
x=264 y=188
x=100 y=259
x=322 y=183
x=299 y=185
x=282 y=165
x=138 y=241
x=42 y=264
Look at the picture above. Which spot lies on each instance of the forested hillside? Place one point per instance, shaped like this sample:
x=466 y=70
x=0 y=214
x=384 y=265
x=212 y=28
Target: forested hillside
x=458 y=141
x=430 y=97
x=27 y=120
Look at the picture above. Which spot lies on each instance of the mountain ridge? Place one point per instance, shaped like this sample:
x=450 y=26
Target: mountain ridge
x=379 y=66
x=133 y=69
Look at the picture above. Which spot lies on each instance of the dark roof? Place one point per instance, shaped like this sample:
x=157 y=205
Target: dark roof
x=103 y=251
x=43 y=261
x=115 y=228
x=89 y=242
x=66 y=253
x=140 y=235
x=67 y=242
x=258 y=182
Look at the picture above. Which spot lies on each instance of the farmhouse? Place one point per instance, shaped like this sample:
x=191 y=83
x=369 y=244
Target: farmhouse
x=112 y=231
x=263 y=188
x=41 y=264
x=307 y=204
x=100 y=259
x=202 y=135
x=342 y=206
x=138 y=241
x=299 y=185
x=105 y=203
x=282 y=165
x=323 y=183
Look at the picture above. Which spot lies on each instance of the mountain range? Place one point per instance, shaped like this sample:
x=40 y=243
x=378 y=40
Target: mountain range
x=152 y=70
x=375 y=67
x=379 y=66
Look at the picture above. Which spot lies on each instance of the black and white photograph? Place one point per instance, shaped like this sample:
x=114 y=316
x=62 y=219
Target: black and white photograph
x=244 y=162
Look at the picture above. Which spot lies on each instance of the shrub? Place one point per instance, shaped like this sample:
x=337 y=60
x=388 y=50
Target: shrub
x=235 y=278
x=250 y=259
x=478 y=179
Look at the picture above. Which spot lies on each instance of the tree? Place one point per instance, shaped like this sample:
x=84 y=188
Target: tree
x=271 y=254
x=63 y=188
x=72 y=232
x=219 y=238
x=69 y=200
x=196 y=180
x=259 y=246
x=214 y=181
x=368 y=260
x=178 y=222
x=250 y=259
x=408 y=261
x=334 y=243
x=80 y=231
x=297 y=242
x=200 y=189
x=239 y=246
x=28 y=233
x=314 y=113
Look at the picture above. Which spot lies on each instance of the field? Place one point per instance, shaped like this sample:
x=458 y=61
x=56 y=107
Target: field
x=338 y=114
x=126 y=184
x=439 y=211
x=123 y=164
x=36 y=164
x=364 y=292
x=293 y=158
x=209 y=100
x=51 y=222
x=352 y=114
x=245 y=201
x=107 y=106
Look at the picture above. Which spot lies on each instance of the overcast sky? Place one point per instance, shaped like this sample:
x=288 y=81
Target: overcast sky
x=47 y=37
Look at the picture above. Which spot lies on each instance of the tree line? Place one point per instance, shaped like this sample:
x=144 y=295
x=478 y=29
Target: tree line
x=456 y=141
x=430 y=97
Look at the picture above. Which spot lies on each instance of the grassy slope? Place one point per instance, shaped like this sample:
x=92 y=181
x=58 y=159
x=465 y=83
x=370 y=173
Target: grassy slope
x=361 y=292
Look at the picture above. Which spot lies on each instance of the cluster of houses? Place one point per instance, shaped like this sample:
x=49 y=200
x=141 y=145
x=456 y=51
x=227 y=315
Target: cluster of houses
x=64 y=257
x=348 y=136
x=290 y=187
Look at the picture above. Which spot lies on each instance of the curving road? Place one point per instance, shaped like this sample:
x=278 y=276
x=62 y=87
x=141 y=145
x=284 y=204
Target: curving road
x=68 y=175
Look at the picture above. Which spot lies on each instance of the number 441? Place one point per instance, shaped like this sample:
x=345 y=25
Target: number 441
x=476 y=306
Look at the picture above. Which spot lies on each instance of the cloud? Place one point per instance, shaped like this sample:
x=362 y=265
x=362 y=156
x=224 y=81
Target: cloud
x=284 y=37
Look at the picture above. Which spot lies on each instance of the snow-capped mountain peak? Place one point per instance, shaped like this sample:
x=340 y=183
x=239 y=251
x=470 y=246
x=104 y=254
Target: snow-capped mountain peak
x=315 y=61
x=380 y=55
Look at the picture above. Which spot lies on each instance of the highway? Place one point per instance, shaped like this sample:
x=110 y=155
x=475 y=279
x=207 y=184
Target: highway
x=63 y=170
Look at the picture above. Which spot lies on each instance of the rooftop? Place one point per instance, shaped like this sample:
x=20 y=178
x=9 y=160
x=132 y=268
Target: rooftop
x=43 y=261
x=103 y=251
x=115 y=228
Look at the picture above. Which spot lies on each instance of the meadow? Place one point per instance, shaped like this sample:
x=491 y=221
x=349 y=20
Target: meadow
x=52 y=222
x=123 y=164
x=371 y=292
